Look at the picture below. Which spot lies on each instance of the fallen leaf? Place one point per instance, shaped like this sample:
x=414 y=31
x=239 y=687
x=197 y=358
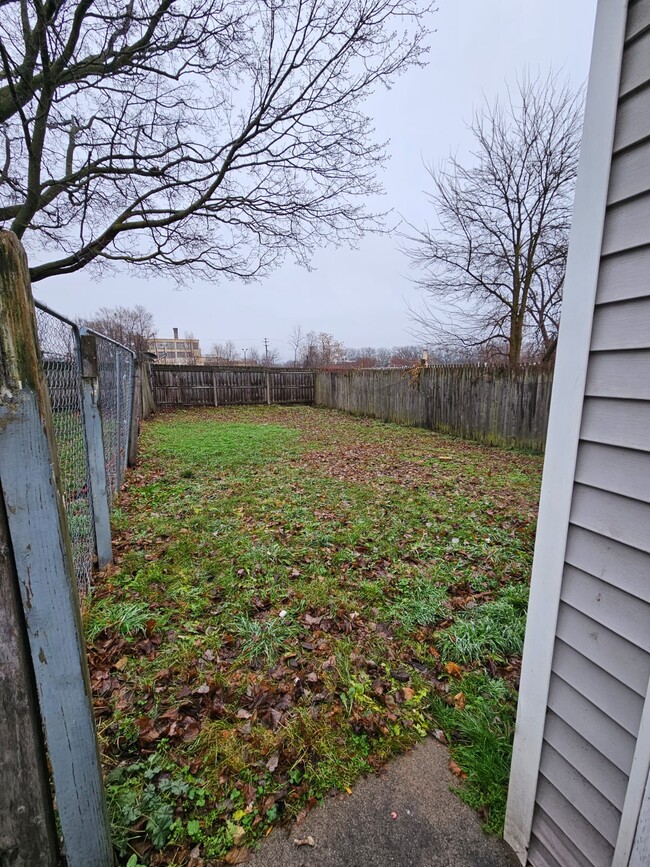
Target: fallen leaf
x=238 y=855
x=306 y=841
x=459 y=701
x=408 y=693
x=121 y=664
x=238 y=834
x=453 y=669
x=242 y=713
x=272 y=763
x=456 y=770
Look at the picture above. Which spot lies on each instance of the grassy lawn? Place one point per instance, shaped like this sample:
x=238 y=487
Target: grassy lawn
x=297 y=596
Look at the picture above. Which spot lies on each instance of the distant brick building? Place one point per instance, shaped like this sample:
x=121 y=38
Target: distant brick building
x=176 y=350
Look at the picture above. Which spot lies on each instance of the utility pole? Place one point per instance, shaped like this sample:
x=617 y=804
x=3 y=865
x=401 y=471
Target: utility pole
x=266 y=350
x=245 y=351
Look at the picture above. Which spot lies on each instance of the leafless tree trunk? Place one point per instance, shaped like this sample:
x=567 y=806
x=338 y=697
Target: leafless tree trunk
x=296 y=340
x=492 y=270
x=213 y=135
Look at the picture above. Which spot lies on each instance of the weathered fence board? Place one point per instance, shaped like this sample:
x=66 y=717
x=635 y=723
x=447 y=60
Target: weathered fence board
x=180 y=385
x=27 y=829
x=42 y=553
x=496 y=405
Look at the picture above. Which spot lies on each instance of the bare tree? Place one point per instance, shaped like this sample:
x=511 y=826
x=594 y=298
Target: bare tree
x=493 y=268
x=321 y=349
x=405 y=356
x=296 y=340
x=195 y=134
x=131 y=326
x=224 y=352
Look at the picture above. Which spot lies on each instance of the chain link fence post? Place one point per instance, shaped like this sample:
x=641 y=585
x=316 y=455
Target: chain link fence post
x=95 y=446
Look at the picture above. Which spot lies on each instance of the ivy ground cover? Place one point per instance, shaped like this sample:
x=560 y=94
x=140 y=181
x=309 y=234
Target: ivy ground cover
x=297 y=596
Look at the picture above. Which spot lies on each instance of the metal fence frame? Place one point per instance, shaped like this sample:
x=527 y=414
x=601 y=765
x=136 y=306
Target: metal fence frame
x=92 y=408
x=116 y=375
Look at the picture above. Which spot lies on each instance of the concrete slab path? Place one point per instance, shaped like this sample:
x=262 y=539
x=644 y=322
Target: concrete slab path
x=433 y=827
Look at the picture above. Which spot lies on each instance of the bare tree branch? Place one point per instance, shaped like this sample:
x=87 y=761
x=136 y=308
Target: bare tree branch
x=212 y=135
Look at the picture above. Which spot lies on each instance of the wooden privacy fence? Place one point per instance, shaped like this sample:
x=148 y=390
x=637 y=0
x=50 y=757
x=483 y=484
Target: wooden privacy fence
x=194 y=385
x=496 y=405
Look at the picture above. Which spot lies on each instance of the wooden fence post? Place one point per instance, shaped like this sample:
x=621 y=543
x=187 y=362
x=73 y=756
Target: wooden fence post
x=214 y=387
x=27 y=831
x=268 y=388
x=29 y=474
x=95 y=444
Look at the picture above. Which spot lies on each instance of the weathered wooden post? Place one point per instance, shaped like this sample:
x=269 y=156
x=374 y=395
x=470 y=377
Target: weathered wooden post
x=27 y=831
x=268 y=388
x=214 y=387
x=95 y=444
x=29 y=475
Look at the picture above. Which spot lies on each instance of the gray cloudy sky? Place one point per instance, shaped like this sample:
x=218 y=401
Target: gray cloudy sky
x=362 y=295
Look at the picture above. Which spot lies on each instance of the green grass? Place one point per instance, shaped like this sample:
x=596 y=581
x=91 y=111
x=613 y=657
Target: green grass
x=297 y=597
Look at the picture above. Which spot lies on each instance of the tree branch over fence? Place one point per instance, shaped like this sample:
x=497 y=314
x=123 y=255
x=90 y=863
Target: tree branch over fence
x=217 y=136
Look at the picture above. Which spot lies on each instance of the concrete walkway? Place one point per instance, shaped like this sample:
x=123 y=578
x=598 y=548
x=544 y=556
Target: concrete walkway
x=433 y=827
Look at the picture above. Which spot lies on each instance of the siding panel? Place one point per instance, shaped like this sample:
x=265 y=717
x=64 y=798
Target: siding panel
x=587 y=800
x=611 y=468
x=610 y=561
x=633 y=120
x=622 y=326
x=604 y=690
x=612 y=515
x=592 y=765
x=638 y=18
x=619 y=374
x=625 y=275
x=539 y=856
x=629 y=174
x=627 y=226
x=635 y=71
x=592 y=844
x=621 y=613
x=608 y=651
x=591 y=723
x=556 y=843
x=617 y=422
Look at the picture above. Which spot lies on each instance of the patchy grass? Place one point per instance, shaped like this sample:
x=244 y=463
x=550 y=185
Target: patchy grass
x=298 y=596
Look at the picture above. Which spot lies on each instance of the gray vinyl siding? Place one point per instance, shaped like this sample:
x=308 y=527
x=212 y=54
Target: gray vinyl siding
x=601 y=663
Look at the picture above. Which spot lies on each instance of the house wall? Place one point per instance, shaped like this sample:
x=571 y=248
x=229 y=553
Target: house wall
x=591 y=744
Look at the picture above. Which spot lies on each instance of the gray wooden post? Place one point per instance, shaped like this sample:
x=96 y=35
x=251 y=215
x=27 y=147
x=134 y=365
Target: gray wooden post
x=268 y=388
x=27 y=830
x=95 y=444
x=30 y=478
x=214 y=387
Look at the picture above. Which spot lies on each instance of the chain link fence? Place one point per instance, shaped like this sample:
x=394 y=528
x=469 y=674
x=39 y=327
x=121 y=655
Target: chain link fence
x=60 y=345
x=116 y=366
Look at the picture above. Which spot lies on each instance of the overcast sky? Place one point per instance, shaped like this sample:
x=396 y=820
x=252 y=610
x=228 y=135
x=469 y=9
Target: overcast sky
x=362 y=296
